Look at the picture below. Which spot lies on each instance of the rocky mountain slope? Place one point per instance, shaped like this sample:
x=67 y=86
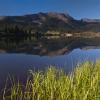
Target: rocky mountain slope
x=50 y=21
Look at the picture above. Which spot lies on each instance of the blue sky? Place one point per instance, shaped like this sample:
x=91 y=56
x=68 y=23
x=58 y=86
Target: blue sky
x=76 y=8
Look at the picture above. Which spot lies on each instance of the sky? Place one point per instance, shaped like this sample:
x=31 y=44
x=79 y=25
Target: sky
x=76 y=8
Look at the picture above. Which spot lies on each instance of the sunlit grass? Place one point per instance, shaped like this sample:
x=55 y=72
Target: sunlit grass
x=53 y=84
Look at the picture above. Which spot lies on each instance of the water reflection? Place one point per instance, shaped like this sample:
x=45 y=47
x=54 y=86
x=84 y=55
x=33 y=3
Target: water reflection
x=44 y=46
x=19 y=64
x=31 y=45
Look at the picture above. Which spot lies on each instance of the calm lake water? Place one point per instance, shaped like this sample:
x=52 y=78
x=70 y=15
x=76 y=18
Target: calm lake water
x=19 y=64
x=17 y=56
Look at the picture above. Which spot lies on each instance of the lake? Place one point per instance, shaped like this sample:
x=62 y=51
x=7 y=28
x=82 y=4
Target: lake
x=18 y=55
x=18 y=64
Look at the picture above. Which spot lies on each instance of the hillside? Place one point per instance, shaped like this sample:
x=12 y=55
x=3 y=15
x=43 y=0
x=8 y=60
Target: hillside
x=49 y=21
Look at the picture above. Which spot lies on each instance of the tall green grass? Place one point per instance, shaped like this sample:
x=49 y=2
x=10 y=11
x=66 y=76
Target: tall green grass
x=82 y=84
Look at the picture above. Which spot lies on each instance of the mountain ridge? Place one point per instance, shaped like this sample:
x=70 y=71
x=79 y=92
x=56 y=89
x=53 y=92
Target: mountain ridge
x=51 y=21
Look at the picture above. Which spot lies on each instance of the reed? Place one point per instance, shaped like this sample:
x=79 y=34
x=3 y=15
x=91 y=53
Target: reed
x=53 y=84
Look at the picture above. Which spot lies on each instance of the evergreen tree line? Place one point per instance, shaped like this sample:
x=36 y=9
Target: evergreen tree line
x=14 y=30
